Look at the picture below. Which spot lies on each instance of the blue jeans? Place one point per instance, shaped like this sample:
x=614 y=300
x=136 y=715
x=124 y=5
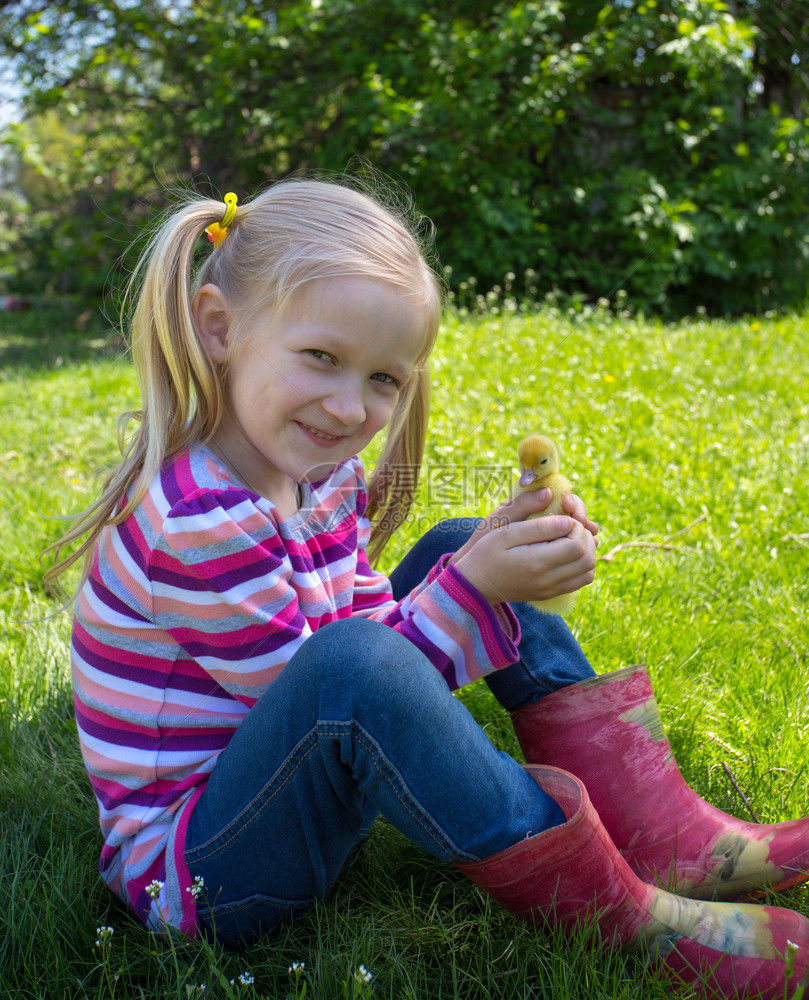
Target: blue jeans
x=550 y=657
x=359 y=722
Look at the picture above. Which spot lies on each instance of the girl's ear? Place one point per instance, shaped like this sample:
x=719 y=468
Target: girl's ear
x=212 y=318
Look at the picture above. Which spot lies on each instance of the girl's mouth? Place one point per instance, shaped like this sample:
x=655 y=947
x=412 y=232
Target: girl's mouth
x=321 y=435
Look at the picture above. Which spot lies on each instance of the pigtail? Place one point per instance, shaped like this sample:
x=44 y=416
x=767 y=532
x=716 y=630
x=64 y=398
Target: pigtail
x=179 y=385
x=393 y=484
x=180 y=389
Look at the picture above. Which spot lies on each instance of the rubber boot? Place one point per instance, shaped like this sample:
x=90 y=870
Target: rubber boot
x=608 y=732
x=573 y=874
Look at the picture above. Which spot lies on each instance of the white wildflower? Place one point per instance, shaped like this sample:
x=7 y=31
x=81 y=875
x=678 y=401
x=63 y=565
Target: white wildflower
x=296 y=968
x=104 y=935
x=363 y=975
x=197 y=887
x=154 y=887
x=790 y=952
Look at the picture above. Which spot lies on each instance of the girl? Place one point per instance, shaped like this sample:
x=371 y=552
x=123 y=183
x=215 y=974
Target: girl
x=250 y=693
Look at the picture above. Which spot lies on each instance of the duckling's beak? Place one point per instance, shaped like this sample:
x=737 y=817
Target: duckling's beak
x=527 y=477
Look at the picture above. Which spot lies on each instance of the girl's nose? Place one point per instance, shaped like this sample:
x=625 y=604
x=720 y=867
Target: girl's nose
x=346 y=405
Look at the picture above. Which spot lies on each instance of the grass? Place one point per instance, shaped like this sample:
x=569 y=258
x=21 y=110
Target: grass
x=690 y=444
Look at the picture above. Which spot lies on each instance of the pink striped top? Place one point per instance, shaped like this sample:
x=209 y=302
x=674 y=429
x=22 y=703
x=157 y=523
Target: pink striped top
x=193 y=606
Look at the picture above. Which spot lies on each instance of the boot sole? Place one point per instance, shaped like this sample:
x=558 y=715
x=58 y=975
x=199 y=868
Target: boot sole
x=743 y=892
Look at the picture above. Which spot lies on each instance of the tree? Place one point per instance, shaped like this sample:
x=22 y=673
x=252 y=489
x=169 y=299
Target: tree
x=636 y=144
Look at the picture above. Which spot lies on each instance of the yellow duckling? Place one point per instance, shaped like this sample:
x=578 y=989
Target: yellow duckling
x=539 y=469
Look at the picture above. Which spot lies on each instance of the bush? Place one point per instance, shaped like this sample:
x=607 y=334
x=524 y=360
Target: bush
x=597 y=145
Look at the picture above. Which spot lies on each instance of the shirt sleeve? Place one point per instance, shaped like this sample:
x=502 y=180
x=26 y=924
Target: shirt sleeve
x=450 y=621
x=221 y=589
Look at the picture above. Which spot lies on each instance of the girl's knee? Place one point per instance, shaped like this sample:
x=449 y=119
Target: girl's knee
x=357 y=643
x=446 y=536
x=369 y=657
x=452 y=533
x=348 y=636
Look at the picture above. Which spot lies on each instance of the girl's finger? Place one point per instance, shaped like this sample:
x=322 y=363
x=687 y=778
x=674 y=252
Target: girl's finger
x=539 y=529
x=519 y=507
x=574 y=506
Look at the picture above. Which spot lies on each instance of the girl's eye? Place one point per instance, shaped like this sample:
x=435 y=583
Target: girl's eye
x=386 y=379
x=321 y=355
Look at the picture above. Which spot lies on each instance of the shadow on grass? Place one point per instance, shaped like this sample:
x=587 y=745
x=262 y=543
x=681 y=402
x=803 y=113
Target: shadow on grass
x=49 y=890
x=48 y=336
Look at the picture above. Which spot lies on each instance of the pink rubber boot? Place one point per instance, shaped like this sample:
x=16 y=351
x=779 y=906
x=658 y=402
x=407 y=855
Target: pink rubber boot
x=573 y=873
x=608 y=732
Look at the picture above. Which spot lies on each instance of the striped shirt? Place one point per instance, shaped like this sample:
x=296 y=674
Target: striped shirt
x=192 y=608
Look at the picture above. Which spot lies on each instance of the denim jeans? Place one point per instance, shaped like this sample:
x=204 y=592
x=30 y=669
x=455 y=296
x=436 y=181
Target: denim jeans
x=359 y=722
x=550 y=657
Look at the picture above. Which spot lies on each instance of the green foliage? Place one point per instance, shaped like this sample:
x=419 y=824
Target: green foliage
x=661 y=147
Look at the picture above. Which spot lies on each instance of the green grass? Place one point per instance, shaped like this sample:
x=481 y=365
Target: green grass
x=690 y=445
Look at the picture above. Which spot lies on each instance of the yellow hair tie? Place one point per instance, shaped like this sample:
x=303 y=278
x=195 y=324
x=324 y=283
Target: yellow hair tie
x=217 y=231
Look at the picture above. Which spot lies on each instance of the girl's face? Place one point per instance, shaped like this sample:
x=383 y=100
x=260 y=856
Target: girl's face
x=308 y=388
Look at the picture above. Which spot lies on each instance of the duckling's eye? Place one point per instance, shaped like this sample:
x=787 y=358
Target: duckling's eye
x=544 y=461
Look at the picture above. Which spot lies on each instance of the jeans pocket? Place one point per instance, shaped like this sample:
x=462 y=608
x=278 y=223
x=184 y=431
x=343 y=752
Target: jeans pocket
x=239 y=922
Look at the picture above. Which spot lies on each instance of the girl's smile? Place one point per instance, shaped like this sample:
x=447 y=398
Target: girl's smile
x=327 y=439
x=310 y=386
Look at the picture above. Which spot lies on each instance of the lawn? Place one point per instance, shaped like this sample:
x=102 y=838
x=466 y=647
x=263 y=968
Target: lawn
x=690 y=446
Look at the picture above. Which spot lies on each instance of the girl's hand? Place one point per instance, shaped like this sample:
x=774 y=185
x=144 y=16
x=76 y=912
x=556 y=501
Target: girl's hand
x=511 y=559
x=522 y=506
x=574 y=506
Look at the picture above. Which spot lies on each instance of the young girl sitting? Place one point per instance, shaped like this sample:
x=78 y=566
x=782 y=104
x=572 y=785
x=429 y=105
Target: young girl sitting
x=251 y=693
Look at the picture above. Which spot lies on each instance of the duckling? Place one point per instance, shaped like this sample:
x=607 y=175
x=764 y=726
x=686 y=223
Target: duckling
x=539 y=468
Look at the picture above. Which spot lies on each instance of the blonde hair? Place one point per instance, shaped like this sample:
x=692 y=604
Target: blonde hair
x=295 y=232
